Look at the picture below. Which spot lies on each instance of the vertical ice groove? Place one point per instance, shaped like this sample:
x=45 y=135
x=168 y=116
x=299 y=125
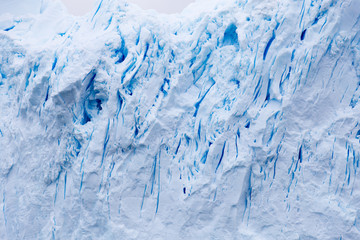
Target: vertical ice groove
x=106 y=140
x=47 y=94
x=257 y=89
x=302 y=37
x=153 y=175
x=221 y=156
x=27 y=79
x=158 y=193
x=81 y=181
x=65 y=179
x=165 y=87
x=54 y=63
x=267 y=98
x=97 y=10
x=268 y=45
x=204 y=157
x=247 y=194
x=199 y=131
x=178 y=146
x=143 y=197
x=209 y=84
x=199 y=69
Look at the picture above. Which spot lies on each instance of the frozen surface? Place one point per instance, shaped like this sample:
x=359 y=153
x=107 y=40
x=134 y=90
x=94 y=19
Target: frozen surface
x=232 y=120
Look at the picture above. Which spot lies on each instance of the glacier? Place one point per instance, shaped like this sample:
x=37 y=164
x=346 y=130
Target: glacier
x=236 y=119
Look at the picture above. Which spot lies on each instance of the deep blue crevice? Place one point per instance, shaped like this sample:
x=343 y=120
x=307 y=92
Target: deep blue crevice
x=8 y=29
x=92 y=102
x=199 y=71
x=81 y=181
x=177 y=148
x=153 y=174
x=192 y=61
x=109 y=23
x=236 y=82
x=230 y=35
x=283 y=79
x=158 y=194
x=199 y=130
x=106 y=141
x=357 y=135
x=90 y=79
x=54 y=64
x=197 y=104
x=65 y=179
x=136 y=130
x=27 y=79
x=267 y=98
x=3 y=76
x=257 y=89
x=47 y=94
x=300 y=154
x=97 y=10
x=303 y=35
x=165 y=86
x=315 y=20
x=77 y=146
x=319 y=16
x=293 y=55
x=204 y=157
x=120 y=53
x=147 y=45
x=36 y=68
x=268 y=45
x=143 y=197
x=221 y=157
x=236 y=146
x=188 y=139
x=86 y=117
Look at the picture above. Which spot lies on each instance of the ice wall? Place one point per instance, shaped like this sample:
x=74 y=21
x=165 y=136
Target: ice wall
x=232 y=120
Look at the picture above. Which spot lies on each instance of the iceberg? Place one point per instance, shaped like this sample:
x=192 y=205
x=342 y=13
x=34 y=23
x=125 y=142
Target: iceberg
x=236 y=119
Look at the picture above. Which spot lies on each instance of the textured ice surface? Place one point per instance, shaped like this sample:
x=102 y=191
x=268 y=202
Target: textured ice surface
x=233 y=120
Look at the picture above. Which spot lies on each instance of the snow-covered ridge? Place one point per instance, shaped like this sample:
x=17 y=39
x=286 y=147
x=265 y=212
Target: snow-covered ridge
x=235 y=121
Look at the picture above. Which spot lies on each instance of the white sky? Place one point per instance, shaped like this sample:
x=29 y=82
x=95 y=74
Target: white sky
x=80 y=7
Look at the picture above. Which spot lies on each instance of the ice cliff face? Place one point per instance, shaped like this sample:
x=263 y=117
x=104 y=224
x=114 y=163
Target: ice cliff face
x=233 y=120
